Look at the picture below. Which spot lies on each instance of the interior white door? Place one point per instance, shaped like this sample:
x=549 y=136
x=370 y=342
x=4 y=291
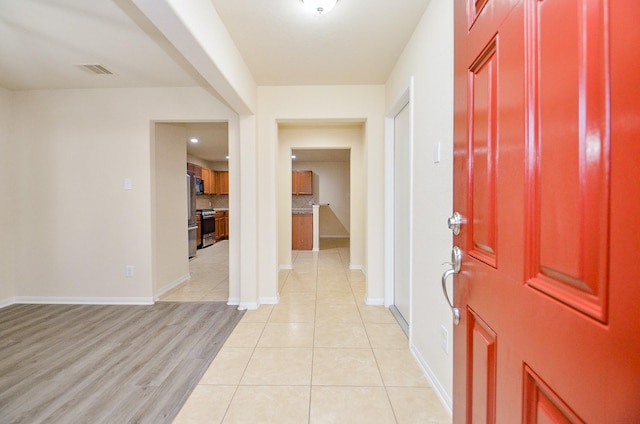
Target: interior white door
x=401 y=212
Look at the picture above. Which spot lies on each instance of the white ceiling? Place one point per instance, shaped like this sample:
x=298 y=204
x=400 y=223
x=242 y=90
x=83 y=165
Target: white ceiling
x=43 y=42
x=213 y=140
x=358 y=42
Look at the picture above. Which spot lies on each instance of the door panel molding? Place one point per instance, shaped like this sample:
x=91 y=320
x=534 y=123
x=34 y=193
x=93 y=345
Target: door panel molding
x=569 y=153
x=483 y=158
x=543 y=405
x=481 y=370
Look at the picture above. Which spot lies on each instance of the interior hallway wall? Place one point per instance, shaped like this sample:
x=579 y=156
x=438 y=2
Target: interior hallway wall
x=74 y=149
x=7 y=203
x=429 y=58
x=169 y=163
x=355 y=104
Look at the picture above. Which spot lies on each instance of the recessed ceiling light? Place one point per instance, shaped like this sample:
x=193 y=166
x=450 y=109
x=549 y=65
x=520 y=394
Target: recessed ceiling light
x=293 y=156
x=320 y=6
x=193 y=140
x=227 y=157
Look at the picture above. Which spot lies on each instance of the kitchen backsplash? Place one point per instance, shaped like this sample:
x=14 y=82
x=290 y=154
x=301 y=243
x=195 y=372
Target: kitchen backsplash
x=302 y=201
x=212 y=201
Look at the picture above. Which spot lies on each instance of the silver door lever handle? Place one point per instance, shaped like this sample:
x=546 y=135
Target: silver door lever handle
x=456 y=263
x=454 y=311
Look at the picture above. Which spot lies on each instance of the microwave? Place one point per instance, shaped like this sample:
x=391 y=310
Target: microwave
x=199 y=186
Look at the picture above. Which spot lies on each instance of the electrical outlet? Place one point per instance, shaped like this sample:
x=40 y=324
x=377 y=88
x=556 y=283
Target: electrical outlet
x=128 y=184
x=444 y=339
x=128 y=271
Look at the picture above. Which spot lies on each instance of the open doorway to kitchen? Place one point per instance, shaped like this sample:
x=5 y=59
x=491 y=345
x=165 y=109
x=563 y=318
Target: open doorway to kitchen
x=198 y=151
x=333 y=152
x=320 y=197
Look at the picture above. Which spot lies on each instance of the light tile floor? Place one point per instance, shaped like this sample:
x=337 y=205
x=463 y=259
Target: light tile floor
x=319 y=356
x=209 y=281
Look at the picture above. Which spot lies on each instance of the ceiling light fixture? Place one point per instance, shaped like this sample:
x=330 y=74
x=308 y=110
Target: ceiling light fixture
x=293 y=156
x=320 y=6
x=193 y=140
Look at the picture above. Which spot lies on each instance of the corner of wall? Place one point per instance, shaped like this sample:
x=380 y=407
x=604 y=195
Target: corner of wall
x=8 y=210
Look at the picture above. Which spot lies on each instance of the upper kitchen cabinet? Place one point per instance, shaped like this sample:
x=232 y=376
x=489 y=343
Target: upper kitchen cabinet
x=222 y=181
x=209 y=178
x=194 y=169
x=302 y=182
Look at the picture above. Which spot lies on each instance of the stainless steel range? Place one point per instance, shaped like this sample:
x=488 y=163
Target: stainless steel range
x=208 y=223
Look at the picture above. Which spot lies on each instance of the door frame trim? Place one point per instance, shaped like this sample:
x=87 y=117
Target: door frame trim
x=406 y=99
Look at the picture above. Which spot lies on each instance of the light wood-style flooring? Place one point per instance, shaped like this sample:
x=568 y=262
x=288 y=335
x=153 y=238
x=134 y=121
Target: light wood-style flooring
x=106 y=364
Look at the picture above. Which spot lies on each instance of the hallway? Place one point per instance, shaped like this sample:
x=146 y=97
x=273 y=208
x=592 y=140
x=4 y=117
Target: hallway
x=319 y=356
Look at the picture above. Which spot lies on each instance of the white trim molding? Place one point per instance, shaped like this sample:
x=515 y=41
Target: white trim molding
x=270 y=300
x=445 y=399
x=374 y=301
x=248 y=306
x=84 y=300
x=172 y=285
x=7 y=302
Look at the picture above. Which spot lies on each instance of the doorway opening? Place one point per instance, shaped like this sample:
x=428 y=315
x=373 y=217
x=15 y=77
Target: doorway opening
x=320 y=193
x=201 y=150
x=333 y=152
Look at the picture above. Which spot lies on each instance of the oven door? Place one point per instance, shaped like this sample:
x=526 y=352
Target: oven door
x=208 y=231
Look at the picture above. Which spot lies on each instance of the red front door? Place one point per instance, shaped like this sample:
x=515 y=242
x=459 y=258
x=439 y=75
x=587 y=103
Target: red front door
x=547 y=178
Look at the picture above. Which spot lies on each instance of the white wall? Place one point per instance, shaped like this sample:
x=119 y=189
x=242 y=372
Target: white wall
x=429 y=58
x=354 y=104
x=169 y=157
x=7 y=199
x=78 y=226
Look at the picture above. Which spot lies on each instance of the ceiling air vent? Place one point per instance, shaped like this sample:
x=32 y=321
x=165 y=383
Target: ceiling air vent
x=96 y=69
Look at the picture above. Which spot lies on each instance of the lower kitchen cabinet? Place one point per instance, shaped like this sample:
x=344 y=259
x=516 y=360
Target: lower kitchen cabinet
x=302 y=231
x=222 y=225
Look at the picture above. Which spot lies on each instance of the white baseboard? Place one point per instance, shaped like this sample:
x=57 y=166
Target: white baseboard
x=172 y=285
x=286 y=267
x=356 y=267
x=7 y=302
x=444 y=397
x=248 y=305
x=338 y=236
x=233 y=301
x=374 y=301
x=85 y=300
x=270 y=300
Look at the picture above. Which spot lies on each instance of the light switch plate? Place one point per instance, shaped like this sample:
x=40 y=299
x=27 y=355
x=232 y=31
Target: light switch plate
x=128 y=184
x=436 y=152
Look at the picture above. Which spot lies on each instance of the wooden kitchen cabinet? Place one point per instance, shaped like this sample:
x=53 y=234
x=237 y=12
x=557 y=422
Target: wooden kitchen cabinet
x=302 y=231
x=194 y=169
x=191 y=168
x=209 y=178
x=222 y=225
x=222 y=182
x=302 y=182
